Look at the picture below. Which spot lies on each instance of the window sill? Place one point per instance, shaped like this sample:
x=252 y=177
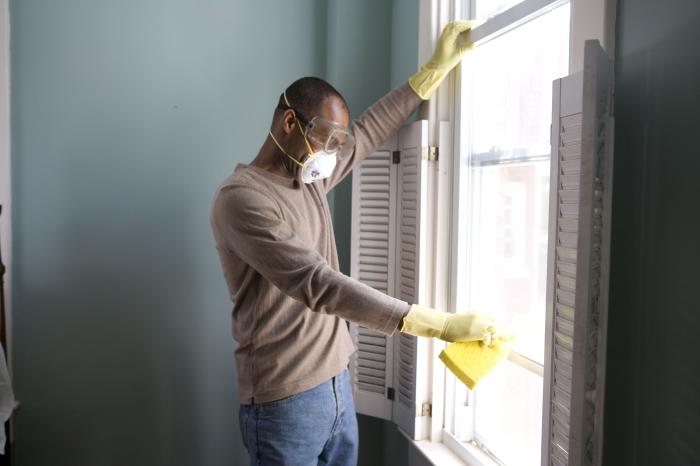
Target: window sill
x=439 y=454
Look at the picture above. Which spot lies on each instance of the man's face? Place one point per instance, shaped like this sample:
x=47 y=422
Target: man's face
x=332 y=109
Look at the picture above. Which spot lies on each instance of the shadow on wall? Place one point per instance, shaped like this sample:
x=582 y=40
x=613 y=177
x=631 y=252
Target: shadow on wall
x=120 y=323
x=381 y=443
x=652 y=407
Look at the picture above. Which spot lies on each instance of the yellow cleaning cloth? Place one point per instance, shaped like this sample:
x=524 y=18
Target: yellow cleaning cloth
x=470 y=361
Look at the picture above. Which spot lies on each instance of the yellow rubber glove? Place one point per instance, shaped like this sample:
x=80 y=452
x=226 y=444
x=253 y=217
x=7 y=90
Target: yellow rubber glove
x=426 y=322
x=447 y=54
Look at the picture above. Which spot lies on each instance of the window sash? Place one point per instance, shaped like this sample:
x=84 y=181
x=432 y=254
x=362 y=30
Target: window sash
x=455 y=395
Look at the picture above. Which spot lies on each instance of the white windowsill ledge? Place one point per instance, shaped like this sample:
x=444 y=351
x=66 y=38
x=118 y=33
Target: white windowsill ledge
x=438 y=454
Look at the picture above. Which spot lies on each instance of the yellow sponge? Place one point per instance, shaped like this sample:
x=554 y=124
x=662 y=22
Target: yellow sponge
x=470 y=361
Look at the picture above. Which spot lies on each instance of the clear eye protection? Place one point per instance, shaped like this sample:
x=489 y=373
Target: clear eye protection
x=329 y=136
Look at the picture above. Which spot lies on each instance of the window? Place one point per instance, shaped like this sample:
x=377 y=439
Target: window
x=505 y=107
x=491 y=251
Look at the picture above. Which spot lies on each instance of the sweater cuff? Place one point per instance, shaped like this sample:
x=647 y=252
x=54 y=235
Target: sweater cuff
x=397 y=312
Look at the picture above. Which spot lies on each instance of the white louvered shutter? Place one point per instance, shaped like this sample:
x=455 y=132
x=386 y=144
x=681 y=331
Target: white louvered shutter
x=578 y=258
x=372 y=263
x=411 y=380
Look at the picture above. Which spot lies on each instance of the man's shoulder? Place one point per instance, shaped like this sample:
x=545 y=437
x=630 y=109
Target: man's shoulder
x=242 y=182
x=242 y=175
x=242 y=189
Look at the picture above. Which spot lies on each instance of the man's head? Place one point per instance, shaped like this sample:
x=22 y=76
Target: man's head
x=308 y=98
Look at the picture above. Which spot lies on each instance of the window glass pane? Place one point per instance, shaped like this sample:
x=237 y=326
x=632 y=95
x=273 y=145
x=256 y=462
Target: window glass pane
x=513 y=86
x=508 y=159
x=509 y=257
x=488 y=8
x=509 y=422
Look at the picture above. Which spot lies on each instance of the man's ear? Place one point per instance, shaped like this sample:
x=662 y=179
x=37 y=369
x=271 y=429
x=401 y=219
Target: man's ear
x=289 y=123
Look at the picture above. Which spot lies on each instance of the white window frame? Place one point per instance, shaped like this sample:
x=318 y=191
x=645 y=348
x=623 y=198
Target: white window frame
x=590 y=19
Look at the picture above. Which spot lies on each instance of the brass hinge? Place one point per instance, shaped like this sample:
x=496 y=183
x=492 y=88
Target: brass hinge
x=396 y=157
x=430 y=153
x=427 y=409
x=390 y=393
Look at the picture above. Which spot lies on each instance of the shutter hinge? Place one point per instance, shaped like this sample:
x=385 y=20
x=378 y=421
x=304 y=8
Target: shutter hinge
x=427 y=409
x=396 y=157
x=431 y=153
x=390 y=393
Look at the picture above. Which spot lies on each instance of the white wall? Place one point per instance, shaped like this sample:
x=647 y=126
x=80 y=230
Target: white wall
x=5 y=224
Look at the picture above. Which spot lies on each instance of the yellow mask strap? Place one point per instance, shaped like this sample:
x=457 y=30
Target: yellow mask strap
x=284 y=151
x=311 y=151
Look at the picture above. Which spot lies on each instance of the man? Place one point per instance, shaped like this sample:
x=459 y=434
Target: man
x=273 y=232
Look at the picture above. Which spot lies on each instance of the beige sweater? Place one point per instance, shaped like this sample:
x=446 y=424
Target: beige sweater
x=277 y=248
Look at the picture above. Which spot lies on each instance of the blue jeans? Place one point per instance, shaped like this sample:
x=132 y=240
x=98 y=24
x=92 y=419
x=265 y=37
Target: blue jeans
x=314 y=427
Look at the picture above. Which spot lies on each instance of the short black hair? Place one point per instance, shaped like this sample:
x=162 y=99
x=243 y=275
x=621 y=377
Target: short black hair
x=306 y=95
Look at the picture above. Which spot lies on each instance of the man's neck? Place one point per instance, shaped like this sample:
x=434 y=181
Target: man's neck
x=270 y=158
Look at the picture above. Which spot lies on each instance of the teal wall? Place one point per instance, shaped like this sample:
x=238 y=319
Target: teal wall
x=125 y=117
x=652 y=408
x=404 y=40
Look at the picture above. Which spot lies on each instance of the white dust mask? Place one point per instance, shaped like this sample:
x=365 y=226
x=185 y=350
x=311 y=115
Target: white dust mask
x=318 y=166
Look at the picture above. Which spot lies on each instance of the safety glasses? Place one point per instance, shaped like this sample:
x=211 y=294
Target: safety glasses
x=328 y=135
x=324 y=133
